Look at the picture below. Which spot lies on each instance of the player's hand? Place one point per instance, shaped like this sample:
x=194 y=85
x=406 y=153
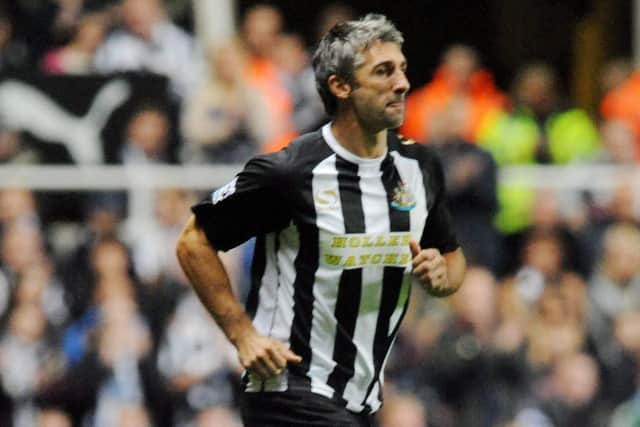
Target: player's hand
x=266 y=357
x=430 y=269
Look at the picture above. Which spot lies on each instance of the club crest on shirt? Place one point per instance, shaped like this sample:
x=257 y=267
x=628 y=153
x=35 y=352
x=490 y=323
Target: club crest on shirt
x=403 y=199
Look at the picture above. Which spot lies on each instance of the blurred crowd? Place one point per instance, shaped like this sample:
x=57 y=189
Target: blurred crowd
x=98 y=326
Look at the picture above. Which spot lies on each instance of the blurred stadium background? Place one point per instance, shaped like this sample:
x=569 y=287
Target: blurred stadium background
x=116 y=116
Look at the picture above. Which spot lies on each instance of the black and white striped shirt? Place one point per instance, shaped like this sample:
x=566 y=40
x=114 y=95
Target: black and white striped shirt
x=331 y=272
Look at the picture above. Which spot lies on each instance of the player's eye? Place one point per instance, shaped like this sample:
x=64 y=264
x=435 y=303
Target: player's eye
x=384 y=70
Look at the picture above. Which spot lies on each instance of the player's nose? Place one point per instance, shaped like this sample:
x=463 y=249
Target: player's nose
x=401 y=84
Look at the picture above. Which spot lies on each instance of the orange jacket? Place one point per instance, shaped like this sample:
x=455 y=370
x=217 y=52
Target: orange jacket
x=624 y=103
x=264 y=76
x=425 y=103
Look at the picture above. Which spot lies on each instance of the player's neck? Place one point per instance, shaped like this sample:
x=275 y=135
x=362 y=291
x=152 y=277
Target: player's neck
x=354 y=137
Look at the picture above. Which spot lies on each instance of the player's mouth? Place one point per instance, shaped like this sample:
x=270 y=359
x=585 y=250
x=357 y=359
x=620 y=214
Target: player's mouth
x=396 y=104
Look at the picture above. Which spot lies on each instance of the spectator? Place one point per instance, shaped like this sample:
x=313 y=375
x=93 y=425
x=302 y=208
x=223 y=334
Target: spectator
x=147 y=136
x=22 y=248
x=111 y=359
x=110 y=258
x=471 y=180
x=154 y=260
x=542 y=261
x=76 y=340
x=615 y=285
x=77 y=56
x=102 y=224
x=539 y=129
x=28 y=362
x=39 y=286
x=618 y=143
x=626 y=332
x=226 y=120
x=18 y=215
x=570 y=398
x=556 y=327
x=552 y=212
x=149 y=41
x=622 y=205
x=261 y=28
x=147 y=142
x=65 y=17
x=614 y=73
x=106 y=258
x=123 y=344
x=615 y=291
x=459 y=78
x=196 y=361
x=17 y=204
x=621 y=102
x=474 y=385
x=620 y=377
x=617 y=205
x=292 y=58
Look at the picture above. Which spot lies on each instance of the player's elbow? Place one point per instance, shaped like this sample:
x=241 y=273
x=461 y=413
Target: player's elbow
x=182 y=247
x=188 y=241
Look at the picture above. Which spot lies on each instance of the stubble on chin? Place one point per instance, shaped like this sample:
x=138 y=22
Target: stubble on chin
x=394 y=121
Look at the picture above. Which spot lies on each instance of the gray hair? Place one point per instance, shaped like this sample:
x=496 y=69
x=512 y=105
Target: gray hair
x=340 y=51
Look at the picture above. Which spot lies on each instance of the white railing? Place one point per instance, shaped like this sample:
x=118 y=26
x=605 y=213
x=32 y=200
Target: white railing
x=79 y=178
x=116 y=177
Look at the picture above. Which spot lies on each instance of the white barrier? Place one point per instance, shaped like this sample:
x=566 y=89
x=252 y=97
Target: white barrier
x=205 y=177
x=116 y=177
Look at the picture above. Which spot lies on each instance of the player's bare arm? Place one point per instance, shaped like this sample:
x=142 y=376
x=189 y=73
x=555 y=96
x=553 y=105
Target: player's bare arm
x=264 y=356
x=439 y=274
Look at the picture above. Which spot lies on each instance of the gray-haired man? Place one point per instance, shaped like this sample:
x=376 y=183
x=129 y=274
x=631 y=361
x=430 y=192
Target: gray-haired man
x=344 y=218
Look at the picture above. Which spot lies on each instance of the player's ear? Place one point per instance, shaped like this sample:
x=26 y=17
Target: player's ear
x=339 y=87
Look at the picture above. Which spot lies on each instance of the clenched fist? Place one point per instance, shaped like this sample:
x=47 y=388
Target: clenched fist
x=430 y=269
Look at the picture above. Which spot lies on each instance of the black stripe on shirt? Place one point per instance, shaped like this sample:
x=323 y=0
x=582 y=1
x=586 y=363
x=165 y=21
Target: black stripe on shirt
x=306 y=265
x=258 y=267
x=392 y=277
x=307 y=260
x=350 y=285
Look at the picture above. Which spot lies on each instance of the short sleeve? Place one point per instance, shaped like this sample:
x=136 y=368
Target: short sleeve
x=251 y=204
x=438 y=230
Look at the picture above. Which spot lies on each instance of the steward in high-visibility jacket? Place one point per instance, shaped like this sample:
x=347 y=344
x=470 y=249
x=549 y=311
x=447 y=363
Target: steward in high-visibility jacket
x=517 y=138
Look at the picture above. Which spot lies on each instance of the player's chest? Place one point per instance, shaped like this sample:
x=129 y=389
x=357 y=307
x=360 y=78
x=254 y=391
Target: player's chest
x=365 y=202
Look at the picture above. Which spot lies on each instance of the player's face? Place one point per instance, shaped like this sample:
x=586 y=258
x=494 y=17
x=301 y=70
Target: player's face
x=381 y=85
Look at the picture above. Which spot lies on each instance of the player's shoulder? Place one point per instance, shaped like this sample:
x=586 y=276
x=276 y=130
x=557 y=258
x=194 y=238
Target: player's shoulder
x=410 y=148
x=302 y=153
x=308 y=146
